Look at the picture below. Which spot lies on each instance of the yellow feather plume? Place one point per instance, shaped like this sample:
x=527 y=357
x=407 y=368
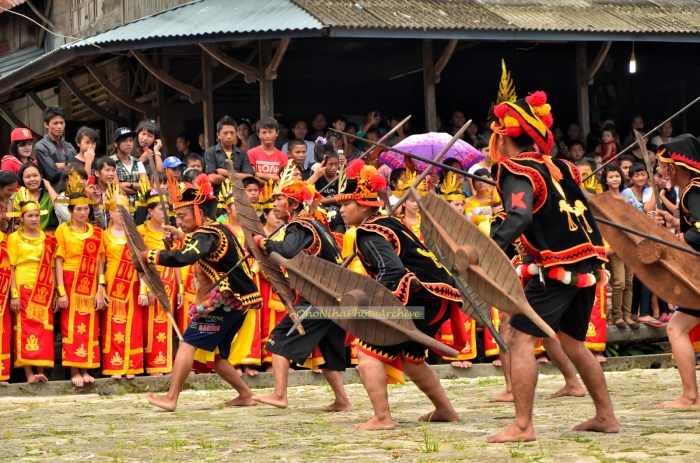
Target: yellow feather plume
x=506 y=87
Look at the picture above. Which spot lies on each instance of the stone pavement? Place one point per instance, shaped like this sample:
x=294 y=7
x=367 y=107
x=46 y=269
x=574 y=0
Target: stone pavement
x=125 y=428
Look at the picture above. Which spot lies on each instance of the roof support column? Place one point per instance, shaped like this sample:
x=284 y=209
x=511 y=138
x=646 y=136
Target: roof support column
x=208 y=102
x=429 y=87
x=584 y=77
x=267 y=103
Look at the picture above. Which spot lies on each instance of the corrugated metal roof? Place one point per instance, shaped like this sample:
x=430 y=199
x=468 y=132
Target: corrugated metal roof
x=17 y=59
x=202 y=18
x=583 y=16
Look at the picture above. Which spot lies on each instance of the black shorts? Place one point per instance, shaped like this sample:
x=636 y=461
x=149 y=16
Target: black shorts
x=436 y=312
x=321 y=332
x=565 y=308
x=215 y=329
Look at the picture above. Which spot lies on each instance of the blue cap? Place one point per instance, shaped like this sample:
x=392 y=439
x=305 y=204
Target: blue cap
x=173 y=162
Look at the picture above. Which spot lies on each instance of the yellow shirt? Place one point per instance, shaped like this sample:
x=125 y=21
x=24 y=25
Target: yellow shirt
x=70 y=245
x=477 y=211
x=25 y=255
x=113 y=248
x=152 y=238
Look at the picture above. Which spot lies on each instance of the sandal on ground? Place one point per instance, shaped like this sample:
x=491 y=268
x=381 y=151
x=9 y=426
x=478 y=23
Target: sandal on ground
x=652 y=322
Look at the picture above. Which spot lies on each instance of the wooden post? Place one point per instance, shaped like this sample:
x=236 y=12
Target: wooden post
x=208 y=103
x=584 y=111
x=267 y=104
x=429 y=87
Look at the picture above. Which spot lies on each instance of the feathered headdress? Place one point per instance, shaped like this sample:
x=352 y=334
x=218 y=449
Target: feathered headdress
x=147 y=195
x=451 y=189
x=266 y=200
x=75 y=190
x=192 y=194
x=406 y=181
x=226 y=194
x=114 y=197
x=365 y=187
x=24 y=202
x=506 y=90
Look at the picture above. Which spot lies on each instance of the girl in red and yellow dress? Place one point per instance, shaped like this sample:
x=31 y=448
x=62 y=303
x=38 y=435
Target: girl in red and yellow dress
x=410 y=216
x=5 y=323
x=157 y=328
x=79 y=263
x=31 y=254
x=122 y=322
x=451 y=191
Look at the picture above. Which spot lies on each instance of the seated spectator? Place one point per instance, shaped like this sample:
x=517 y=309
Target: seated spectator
x=625 y=161
x=299 y=132
x=194 y=161
x=20 y=150
x=298 y=155
x=267 y=161
x=576 y=152
x=53 y=151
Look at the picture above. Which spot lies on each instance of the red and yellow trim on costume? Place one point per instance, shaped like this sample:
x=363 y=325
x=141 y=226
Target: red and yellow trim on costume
x=393 y=364
x=596 y=336
x=5 y=317
x=549 y=258
x=538 y=184
x=459 y=332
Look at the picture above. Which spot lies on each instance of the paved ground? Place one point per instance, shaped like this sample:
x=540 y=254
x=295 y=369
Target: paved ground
x=125 y=428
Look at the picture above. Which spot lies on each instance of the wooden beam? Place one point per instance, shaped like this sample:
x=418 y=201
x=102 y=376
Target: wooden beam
x=42 y=33
x=250 y=74
x=232 y=76
x=118 y=94
x=271 y=69
x=584 y=112
x=14 y=121
x=443 y=60
x=87 y=101
x=208 y=103
x=429 y=87
x=37 y=101
x=267 y=103
x=41 y=15
x=194 y=95
x=597 y=62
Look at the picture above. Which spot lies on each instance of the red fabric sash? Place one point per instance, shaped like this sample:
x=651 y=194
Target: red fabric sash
x=122 y=285
x=84 y=282
x=42 y=292
x=5 y=273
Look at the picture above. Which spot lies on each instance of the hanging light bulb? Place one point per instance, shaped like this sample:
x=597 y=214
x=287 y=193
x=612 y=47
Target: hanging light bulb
x=633 y=61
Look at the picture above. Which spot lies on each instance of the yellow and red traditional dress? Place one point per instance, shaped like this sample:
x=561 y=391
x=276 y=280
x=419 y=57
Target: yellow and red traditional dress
x=5 y=318
x=122 y=322
x=157 y=328
x=32 y=261
x=81 y=252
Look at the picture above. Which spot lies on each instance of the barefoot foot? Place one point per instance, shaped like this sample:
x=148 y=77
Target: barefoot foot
x=42 y=378
x=130 y=376
x=87 y=378
x=251 y=371
x=600 y=357
x=77 y=380
x=272 y=399
x=681 y=402
x=32 y=379
x=513 y=433
x=337 y=407
x=117 y=377
x=376 y=424
x=503 y=396
x=576 y=390
x=163 y=402
x=596 y=424
x=497 y=363
x=440 y=416
x=4 y=384
x=462 y=364
x=241 y=402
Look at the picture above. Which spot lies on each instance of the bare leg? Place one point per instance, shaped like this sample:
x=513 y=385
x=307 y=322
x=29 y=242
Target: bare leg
x=76 y=377
x=228 y=373
x=572 y=386
x=427 y=381
x=594 y=379
x=505 y=395
x=373 y=376
x=278 y=398
x=342 y=402
x=523 y=371
x=678 y=329
x=181 y=370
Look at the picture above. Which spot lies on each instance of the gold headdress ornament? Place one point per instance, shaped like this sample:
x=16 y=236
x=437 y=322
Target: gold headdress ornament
x=285 y=177
x=24 y=203
x=506 y=88
x=451 y=189
x=146 y=195
x=226 y=194
x=194 y=194
x=114 y=197
x=406 y=181
x=265 y=200
x=75 y=186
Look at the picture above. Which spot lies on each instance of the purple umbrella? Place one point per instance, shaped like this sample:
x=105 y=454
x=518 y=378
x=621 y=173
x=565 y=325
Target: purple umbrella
x=428 y=145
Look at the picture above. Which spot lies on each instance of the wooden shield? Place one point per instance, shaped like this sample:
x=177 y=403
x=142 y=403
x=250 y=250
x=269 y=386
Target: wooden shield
x=671 y=274
x=327 y=285
x=251 y=225
x=476 y=259
x=148 y=271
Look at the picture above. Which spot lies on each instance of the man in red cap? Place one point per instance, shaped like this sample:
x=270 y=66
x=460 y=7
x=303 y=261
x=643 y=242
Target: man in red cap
x=545 y=207
x=303 y=233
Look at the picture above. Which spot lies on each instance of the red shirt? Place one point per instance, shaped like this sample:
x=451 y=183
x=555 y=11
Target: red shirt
x=10 y=162
x=264 y=163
